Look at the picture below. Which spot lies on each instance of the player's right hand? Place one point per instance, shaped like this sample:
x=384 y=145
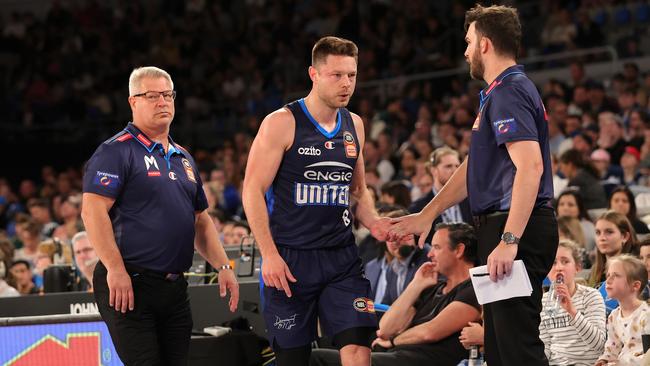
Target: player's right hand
x=416 y=224
x=275 y=273
x=120 y=290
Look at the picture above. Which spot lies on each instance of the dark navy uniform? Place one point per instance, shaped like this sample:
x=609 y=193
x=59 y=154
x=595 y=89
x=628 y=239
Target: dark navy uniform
x=512 y=110
x=310 y=221
x=156 y=197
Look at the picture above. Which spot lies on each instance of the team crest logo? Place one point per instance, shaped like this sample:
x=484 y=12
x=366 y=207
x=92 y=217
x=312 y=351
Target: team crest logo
x=363 y=305
x=350 y=145
x=188 y=170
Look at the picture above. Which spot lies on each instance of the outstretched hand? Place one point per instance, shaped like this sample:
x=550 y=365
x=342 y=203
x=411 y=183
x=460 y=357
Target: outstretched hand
x=415 y=224
x=380 y=227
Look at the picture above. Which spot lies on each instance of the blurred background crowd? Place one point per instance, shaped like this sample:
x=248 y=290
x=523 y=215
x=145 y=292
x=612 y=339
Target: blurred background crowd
x=65 y=64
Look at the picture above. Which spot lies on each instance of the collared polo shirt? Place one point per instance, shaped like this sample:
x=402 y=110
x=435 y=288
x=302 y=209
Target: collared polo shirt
x=510 y=110
x=156 y=194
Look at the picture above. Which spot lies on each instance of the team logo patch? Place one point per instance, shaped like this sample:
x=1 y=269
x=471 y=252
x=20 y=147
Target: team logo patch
x=349 y=145
x=188 y=170
x=477 y=122
x=505 y=125
x=364 y=305
x=329 y=145
x=150 y=161
x=106 y=179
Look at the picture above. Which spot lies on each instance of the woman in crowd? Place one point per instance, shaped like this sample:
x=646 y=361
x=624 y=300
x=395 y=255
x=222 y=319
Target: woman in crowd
x=615 y=236
x=622 y=201
x=570 y=204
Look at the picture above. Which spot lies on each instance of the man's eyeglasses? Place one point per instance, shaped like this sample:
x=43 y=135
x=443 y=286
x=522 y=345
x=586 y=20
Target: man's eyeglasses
x=153 y=96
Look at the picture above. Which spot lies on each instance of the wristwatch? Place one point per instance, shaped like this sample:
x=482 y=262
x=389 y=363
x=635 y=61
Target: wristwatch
x=509 y=238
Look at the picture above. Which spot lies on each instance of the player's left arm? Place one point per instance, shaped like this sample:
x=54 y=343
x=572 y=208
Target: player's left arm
x=366 y=212
x=207 y=243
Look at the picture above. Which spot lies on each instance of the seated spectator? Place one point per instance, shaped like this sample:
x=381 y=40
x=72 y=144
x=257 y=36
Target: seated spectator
x=423 y=325
x=622 y=201
x=5 y=289
x=615 y=236
x=85 y=259
x=630 y=162
x=574 y=334
x=70 y=212
x=376 y=268
x=21 y=272
x=611 y=176
x=240 y=230
x=569 y=228
x=644 y=254
x=39 y=209
x=395 y=193
x=626 y=276
x=228 y=234
x=407 y=257
x=50 y=252
x=218 y=218
x=570 y=204
x=28 y=232
x=584 y=177
x=444 y=162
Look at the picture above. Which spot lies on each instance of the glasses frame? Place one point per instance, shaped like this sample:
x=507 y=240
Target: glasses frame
x=144 y=94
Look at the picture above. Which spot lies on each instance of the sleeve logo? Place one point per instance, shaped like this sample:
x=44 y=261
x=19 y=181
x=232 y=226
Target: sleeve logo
x=504 y=126
x=106 y=179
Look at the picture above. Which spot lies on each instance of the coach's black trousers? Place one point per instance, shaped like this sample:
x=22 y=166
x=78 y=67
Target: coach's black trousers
x=512 y=326
x=157 y=331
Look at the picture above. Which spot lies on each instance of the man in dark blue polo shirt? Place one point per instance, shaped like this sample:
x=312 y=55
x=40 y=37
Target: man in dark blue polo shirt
x=145 y=210
x=508 y=179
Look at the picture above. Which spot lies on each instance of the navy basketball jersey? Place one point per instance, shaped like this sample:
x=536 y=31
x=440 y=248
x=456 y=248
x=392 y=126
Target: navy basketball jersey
x=309 y=201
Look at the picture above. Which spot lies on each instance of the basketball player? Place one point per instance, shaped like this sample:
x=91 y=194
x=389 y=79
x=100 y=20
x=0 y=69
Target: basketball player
x=307 y=159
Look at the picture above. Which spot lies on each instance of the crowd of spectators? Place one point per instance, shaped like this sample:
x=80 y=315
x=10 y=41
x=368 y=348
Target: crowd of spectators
x=254 y=55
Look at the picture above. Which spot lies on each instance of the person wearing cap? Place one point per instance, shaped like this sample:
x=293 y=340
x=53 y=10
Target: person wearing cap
x=610 y=175
x=630 y=164
x=144 y=210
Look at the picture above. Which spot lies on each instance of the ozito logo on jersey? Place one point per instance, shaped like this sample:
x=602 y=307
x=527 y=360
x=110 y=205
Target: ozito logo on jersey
x=312 y=151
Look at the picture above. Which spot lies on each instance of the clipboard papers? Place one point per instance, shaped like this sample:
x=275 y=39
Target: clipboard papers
x=515 y=285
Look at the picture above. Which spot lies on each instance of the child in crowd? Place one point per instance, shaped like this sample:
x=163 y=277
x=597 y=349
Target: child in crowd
x=626 y=276
x=574 y=334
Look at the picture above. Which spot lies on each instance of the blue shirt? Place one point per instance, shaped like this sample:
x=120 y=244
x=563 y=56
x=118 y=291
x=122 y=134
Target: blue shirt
x=156 y=198
x=511 y=110
x=309 y=200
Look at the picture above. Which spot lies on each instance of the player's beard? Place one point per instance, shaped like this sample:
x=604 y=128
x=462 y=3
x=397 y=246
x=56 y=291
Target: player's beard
x=476 y=66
